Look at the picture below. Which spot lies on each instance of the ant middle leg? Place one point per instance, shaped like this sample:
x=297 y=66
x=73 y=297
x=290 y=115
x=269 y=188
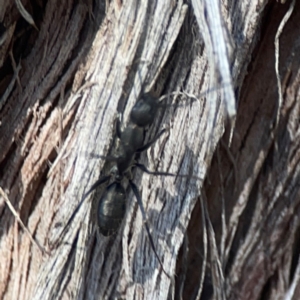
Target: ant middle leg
x=149 y=144
x=144 y=169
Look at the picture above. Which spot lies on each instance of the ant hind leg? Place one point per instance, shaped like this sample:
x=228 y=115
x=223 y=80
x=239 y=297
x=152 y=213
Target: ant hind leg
x=140 y=203
x=100 y=181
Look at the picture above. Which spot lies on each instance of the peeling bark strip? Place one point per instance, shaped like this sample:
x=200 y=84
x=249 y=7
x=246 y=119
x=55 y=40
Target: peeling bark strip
x=61 y=89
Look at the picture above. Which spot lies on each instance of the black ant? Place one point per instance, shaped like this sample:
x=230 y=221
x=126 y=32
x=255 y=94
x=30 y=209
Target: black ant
x=112 y=205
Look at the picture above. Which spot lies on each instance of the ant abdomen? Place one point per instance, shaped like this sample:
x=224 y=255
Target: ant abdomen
x=111 y=209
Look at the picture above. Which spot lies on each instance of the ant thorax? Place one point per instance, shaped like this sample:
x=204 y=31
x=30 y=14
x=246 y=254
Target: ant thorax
x=132 y=138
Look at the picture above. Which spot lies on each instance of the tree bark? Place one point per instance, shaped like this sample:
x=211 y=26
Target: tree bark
x=234 y=235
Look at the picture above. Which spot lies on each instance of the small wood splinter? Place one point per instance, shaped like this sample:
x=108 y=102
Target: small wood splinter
x=10 y=206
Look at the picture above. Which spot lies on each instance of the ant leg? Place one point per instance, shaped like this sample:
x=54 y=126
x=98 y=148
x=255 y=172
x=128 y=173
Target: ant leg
x=144 y=169
x=140 y=203
x=145 y=147
x=93 y=187
x=118 y=128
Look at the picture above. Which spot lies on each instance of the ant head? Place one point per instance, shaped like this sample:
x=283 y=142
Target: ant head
x=144 y=111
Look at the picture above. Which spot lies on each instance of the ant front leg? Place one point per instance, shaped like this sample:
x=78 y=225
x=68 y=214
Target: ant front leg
x=140 y=203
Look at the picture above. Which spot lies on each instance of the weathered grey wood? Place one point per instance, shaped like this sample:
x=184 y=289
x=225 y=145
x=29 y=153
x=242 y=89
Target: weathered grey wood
x=86 y=64
x=260 y=253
